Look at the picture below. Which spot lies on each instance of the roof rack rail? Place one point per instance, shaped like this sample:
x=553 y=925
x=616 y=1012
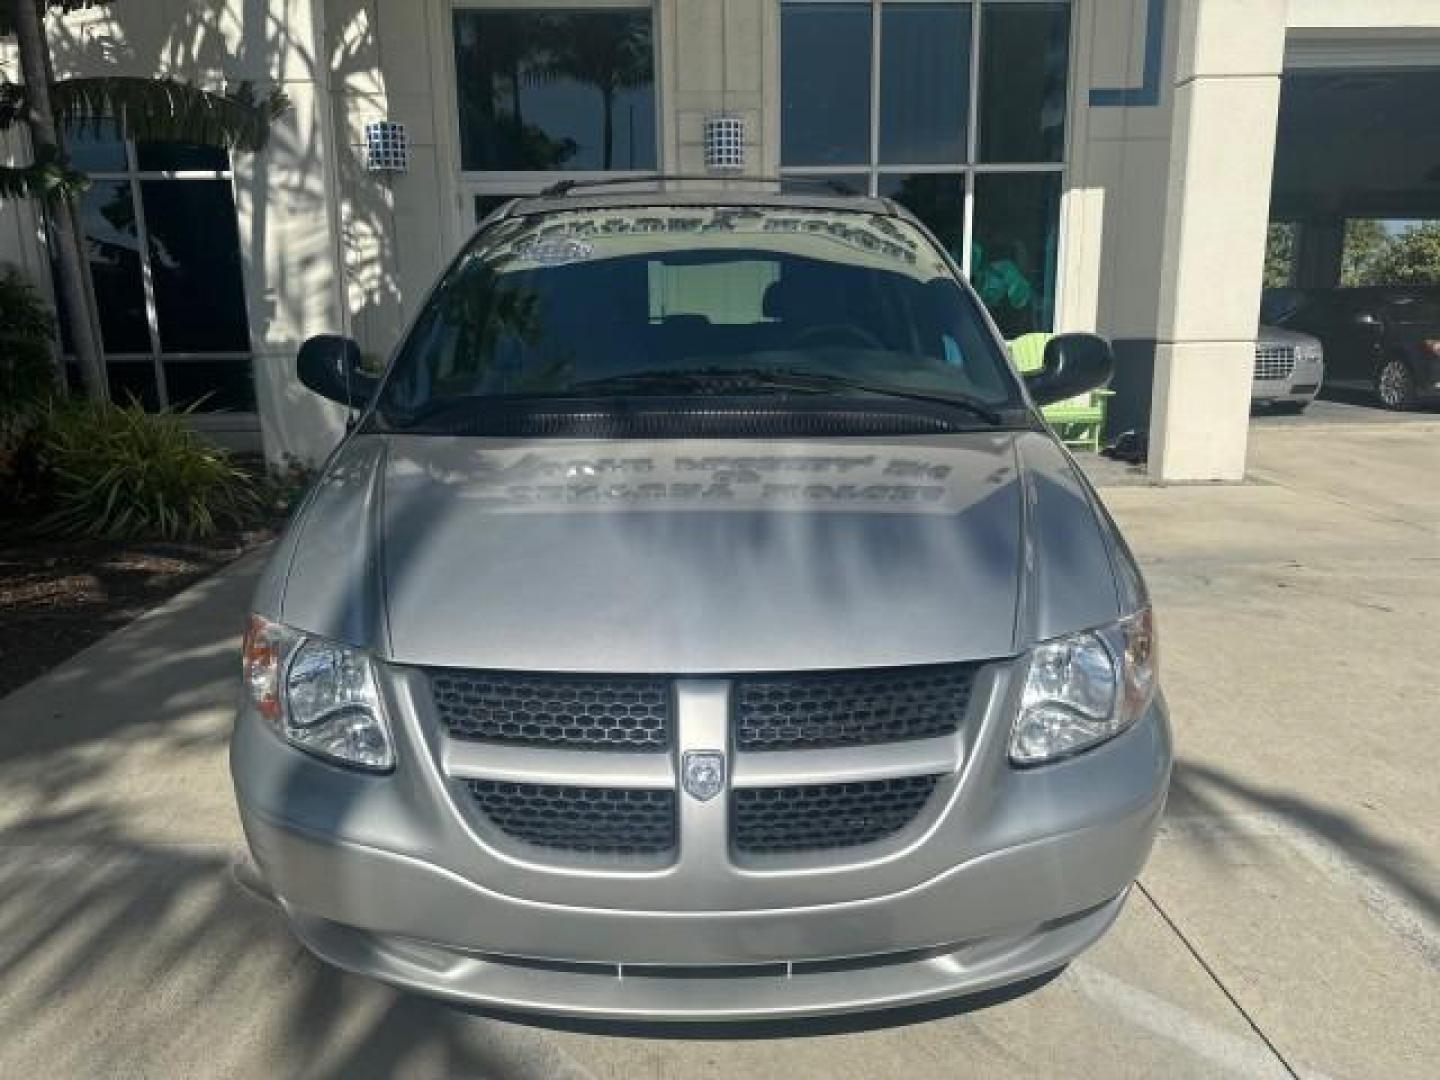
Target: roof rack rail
x=564 y=187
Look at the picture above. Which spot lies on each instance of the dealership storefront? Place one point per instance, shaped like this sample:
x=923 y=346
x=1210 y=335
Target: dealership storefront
x=1092 y=164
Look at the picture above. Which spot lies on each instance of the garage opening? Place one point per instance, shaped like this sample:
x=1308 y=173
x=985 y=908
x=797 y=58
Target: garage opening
x=1353 y=257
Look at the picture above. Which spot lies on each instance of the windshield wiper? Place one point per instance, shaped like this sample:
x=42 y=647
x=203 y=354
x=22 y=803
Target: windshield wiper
x=813 y=382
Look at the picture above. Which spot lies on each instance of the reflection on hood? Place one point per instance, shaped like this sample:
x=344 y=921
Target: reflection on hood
x=655 y=477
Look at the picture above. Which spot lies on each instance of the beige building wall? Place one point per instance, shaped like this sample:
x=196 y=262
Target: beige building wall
x=1113 y=211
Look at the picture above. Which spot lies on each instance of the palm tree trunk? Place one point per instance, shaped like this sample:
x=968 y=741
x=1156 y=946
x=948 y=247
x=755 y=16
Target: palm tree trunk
x=92 y=305
x=69 y=259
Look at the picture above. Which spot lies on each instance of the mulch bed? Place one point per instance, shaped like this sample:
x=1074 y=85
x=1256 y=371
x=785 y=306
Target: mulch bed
x=58 y=596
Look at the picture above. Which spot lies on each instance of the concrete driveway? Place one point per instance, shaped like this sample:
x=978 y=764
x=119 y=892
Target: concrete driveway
x=1288 y=923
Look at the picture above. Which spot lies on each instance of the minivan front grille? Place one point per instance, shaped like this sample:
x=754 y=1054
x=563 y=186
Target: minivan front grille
x=850 y=708
x=1274 y=361
x=566 y=755
x=619 y=821
x=607 y=712
x=825 y=816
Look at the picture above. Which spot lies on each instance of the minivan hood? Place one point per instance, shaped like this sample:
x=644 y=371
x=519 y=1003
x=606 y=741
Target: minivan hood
x=700 y=557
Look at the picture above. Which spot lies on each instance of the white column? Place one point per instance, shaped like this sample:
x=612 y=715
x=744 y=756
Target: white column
x=287 y=198
x=1226 y=100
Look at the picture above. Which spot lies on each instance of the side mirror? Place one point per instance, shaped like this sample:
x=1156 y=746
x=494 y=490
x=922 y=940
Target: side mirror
x=1074 y=363
x=330 y=365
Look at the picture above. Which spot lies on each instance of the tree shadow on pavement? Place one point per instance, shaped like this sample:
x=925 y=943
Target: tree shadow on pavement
x=1204 y=792
x=125 y=957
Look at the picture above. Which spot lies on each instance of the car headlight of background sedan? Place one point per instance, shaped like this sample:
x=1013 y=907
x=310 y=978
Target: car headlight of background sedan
x=1083 y=689
x=320 y=695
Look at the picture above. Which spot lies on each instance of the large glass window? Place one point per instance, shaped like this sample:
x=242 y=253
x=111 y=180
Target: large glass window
x=924 y=82
x=825 y=83
x=540 y=90
x=163 y=244
x=1013 y=248
x=955 y=109
x=1024 y=65
x=199 y=294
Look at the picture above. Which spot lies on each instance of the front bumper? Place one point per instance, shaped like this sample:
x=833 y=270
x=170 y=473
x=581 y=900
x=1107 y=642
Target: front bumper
x=670 y=993
x=1299 y=390
x=1031 y=867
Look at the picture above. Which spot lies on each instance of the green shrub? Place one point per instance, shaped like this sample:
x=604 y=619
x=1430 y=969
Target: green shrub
x=27 y=368
x=118 y=471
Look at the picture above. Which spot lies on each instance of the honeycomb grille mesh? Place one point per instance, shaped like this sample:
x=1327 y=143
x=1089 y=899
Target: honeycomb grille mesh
x=850 y=708
x=822 y=816
x=615 y=821
x=562 y=711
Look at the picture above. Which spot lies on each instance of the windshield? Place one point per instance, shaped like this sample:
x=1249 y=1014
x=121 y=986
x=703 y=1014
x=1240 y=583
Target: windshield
x=620 y=302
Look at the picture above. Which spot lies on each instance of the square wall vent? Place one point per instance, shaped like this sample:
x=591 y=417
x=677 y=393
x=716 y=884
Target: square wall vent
x=724 y=143
x=387 y=147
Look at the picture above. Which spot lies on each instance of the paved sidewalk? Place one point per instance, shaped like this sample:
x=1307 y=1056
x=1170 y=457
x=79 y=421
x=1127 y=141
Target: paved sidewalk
x=1287 y=925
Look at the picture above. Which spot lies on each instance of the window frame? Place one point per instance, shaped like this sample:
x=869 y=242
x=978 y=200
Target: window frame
x=873 y=170
x=516 y=183
x=134 y=177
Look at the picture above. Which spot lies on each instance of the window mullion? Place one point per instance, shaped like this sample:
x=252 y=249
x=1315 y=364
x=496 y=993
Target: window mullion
x=972 y=117
x=967 y=224
x=872 y=176
x=972 y=140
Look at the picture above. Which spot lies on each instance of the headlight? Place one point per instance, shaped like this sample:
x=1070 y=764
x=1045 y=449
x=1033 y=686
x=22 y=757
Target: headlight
x=1083 y=689
x=320 y=695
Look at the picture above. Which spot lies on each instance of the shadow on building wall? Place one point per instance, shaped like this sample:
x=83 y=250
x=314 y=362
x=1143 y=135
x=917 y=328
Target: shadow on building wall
x=306 y=206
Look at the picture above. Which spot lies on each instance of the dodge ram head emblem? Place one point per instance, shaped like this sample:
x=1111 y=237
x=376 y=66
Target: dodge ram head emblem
x=704 y=773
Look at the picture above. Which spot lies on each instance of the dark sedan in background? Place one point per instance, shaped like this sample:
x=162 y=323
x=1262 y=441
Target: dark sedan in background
x=1385 y=340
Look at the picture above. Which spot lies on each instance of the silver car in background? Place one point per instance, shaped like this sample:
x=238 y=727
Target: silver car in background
x=701 y=623
x=1289 y=369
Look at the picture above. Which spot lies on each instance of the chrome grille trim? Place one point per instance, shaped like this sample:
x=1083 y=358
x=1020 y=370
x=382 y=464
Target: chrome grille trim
x=1274 y=361
x=466 y=760
x=851 y=764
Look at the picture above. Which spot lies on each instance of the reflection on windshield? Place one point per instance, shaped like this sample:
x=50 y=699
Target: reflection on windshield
x=584 y=299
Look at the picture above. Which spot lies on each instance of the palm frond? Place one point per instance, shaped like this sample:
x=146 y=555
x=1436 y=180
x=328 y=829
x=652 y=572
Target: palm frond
x=39 y=179
x=168 y=109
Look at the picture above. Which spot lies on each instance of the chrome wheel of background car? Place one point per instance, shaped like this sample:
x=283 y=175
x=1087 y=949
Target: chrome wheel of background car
x=1394 y=385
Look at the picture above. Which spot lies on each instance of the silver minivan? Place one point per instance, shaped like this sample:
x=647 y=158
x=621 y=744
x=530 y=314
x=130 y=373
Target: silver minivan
x=699 y=622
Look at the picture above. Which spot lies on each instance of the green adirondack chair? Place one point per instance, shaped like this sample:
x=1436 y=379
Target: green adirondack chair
x=1079 y=421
